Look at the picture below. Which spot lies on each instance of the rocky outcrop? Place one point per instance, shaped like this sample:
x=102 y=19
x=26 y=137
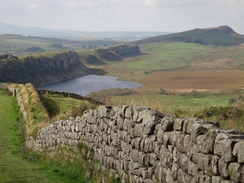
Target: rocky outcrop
x=91 y=59
x=126 y=50
x=42 y=69
x=107 y=55
x=116 y=53
x=141 y=145
x=8 y=57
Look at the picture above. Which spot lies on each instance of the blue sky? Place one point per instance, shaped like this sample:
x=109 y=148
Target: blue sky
x=124 y=15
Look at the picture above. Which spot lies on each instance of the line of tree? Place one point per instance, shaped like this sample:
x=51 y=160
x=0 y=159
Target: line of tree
x=187 y=39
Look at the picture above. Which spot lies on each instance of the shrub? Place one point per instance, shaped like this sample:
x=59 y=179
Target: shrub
x=50 y=105
x=78 y=111
x=194 y=94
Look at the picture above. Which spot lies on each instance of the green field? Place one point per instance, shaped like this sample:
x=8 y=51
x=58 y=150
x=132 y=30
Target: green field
x=19 y=45
x=169 y=56
x=13 y=168
x=177 y=55
x=60 y=107
x=226 y=108
x=18 y=164
x=218 y=36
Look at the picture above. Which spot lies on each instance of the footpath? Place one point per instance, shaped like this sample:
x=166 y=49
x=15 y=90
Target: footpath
x=14 y=169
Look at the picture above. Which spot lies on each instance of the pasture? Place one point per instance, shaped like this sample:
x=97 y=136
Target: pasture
x=197 y=81
x=183 y=67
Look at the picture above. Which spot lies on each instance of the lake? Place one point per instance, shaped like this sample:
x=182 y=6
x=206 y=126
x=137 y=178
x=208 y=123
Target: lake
x=90 y=83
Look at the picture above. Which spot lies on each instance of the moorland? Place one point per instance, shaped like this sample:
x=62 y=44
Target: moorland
x=186 y=78
x=189 y=74
x=196 y=73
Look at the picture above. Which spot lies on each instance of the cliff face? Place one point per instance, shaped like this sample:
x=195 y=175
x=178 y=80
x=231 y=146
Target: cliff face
x=107 y=55
x=43 y=70
x=126 y=50
x=116 y=53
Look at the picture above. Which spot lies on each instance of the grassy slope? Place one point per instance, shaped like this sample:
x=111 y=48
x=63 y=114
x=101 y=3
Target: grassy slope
x=60 y=107
x=176 y=56
x=235 y=53
x=169 y=56
x=219 y=36
x=67 y=166
x=12 y=167
x=17 y=45
x=191 y=105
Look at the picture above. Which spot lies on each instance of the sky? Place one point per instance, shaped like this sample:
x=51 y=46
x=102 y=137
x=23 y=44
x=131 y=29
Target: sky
x=124 y=15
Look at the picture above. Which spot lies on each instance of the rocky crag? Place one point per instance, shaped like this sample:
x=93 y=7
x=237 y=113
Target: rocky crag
x=113 y=53
x=42 y=70
x=140 y=145
x=51 y=68
x=125 y=50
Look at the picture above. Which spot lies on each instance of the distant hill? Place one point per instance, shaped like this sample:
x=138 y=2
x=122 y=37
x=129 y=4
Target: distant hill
x=71 y=34
x=101 y=56
x=25 y=45
x=219 y=36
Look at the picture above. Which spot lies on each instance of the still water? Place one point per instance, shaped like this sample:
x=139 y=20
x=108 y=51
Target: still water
x=91 y=83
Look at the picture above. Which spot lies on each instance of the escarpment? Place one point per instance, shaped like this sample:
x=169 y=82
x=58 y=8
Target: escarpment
x=42 y=69
x=126 y=50
x=113 y=53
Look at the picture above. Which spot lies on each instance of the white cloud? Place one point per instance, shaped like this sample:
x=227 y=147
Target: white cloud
x=164 y=15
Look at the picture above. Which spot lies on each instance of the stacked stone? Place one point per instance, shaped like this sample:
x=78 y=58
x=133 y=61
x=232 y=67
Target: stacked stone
x=141 y=145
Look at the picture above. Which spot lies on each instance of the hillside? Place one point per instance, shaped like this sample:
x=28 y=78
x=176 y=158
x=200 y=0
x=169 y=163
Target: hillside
x=29 y=45
x=42 y=69
x=52 y=67
x=72 y=34
x=218 y=36
x=101 y=56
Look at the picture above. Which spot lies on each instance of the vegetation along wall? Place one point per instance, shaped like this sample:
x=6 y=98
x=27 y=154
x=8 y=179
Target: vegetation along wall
x=140 y=145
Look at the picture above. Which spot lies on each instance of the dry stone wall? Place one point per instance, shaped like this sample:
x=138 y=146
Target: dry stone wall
x=141 y=145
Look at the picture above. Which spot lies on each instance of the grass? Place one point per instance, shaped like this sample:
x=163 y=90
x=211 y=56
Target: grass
x=226 y=108
x=170 y=104
x=167 y=56
x=60 y=107
x=17 y=45
x=176 y=56
x=12 y=167
x=235 y=53
x=219 y=36
x=42 y=110
x=19 y=164
x=36 y=114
